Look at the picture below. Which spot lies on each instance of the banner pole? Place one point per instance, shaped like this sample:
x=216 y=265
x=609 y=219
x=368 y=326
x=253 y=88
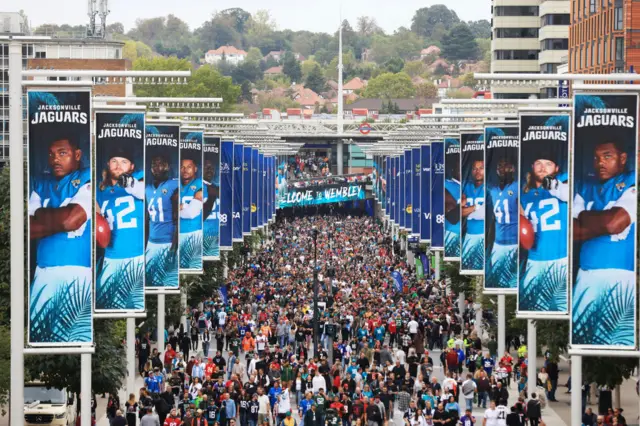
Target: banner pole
x=131 y=356
x=160 y=324
x=461 y=298
x=437 y=266
x=85 y=390
x=501 y=325
x=531 y=356
x=16 y=156
x=576 y=386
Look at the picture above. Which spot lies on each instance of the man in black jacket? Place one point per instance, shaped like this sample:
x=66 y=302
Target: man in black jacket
x=534 y=411
x=552 y=370
x=589 y=418
x=500 y=393
x=513 y=419
x=312 y=417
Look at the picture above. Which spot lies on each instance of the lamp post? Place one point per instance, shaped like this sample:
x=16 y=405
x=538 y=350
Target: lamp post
x=315 y=293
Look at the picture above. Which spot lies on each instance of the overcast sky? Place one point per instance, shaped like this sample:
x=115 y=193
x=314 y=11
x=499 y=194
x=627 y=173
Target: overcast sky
x=312 y=15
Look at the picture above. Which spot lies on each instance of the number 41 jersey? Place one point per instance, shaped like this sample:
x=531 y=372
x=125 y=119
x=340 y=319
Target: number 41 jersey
x=159 y=206
x=505 y=210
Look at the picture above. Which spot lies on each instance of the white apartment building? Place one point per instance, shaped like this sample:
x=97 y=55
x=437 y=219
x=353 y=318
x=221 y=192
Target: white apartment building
x=230 y=54
x=528 y=36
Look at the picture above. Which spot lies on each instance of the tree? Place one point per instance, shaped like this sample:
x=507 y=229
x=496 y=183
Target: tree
x=261 y=24
x=468 y=80
x=480 y=28
x=394 y=65
x=414 y=68
x=402 y=44
x=254 y=55
x=246 y=71
x=115 y=28
x=133 y=50
x=459 y=44
x=367 y=26
x=308 y=66
x=388 y=85
x=425 y=19
x=315 y=80
x=238 y=17
x=459 y=94
x=427 y=90
x=291 y=67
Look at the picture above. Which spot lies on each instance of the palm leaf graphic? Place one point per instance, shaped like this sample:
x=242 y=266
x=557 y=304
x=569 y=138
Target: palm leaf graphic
x=211 y=245
x=503 y=273
x=493 y=131
x=452 y=245
x=136 y=118
x=473 y=255
x=41 y=98
x=152 y=130
x=124 y=289
x=191 y=253
x=559 y=120
x=587 y=101
x=546 y=292
x=162 y=270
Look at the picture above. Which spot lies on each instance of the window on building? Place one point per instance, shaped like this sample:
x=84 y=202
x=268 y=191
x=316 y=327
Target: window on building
x=593 y=46
x=518 y=55
x=587 y=64
x=617 y=18
x=517 y=33
x=604 y=49
x=619 y=48
x=599 y=59
x=556 y=19
x=592 y=6
x=555 y=44
x=516 y=11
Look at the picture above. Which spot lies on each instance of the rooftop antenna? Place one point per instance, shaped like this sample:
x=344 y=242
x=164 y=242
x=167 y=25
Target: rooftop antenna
x=92 y=12
x=104 y=11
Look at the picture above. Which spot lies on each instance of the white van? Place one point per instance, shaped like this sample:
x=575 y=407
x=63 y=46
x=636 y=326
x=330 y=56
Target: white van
x=43 y=406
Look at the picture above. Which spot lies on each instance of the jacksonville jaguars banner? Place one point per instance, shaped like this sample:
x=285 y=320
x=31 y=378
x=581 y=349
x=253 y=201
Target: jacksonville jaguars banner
x=236 y=227
x=246 y=193
x=281 y=187
x=452 y=198
x=260 y=203
x=119 y=175
x=472 y=203
x=416 y=173
x=544 y=216
x=384 y=178
x=425 y=193
x=254 y=189
x=396 y=189
x=324 y=194
x=437 y=196
x=60 y=213
x=375 y=177
x=226 y=195
x=211 y=208
x=408 y=182
x=191 y=201
x=162 y=197
x=603 y=253
x=386 y=187
x=502 y=208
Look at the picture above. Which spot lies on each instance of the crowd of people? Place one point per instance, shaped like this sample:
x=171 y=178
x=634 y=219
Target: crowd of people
x=308 y=166
x=246 y=356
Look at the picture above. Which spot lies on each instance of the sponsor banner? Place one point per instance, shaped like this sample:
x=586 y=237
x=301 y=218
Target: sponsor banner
x=401 y=196
x=375 y=177
x=603 y=251
x=384 y=178
x=60 y=254
x=326 y=194
x=236 y=222
x=396 y=190
x=120 y=193
x=452 y=199
x=501 y=201
x=416 y=173
x=437 y=195
x=211 y=176
x=260 y=212
x=191 y=202
x=425 y=193
x=544 y=215
x=408 y=184
x=281 y=182
x=268 y=188
x=162 y=198
x=226 y=195
x=246 y=193
x=254 y=189
x=472 y=210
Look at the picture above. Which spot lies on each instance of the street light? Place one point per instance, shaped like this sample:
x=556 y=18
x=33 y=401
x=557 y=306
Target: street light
x=316 y=315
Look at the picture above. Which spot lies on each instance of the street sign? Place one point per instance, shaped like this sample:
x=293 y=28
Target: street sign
x=365 y=128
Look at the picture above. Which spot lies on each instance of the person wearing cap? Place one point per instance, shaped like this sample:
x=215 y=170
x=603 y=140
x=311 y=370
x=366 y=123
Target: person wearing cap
x=173 y=419
x=120 y=199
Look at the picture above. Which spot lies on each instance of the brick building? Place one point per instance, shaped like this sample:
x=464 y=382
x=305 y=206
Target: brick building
x=603 y=36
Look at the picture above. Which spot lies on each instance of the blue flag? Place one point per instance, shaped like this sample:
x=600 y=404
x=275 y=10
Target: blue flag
x=224 y=294
x=397 y=278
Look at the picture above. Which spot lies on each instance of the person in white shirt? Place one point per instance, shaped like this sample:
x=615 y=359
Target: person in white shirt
x=502 y=413
x=491 y=415
x=261 y=343
x=401 y=356
x=222 y=318
x=264 y=407
x=413 y=327
x=468 y=390
x=318 y=383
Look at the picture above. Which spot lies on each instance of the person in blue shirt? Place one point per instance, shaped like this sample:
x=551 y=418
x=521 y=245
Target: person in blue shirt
x=544 y=202
x=487 y=364
x=162 y=195
x=120 y=199
x=304 y=406
x=152 y=383
x=211 y=210
x=604 y=213
x=274 y=392
x=503 y=201
x=472 y=212
x=468 y=419
x=60 y=209
x=191 y=202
